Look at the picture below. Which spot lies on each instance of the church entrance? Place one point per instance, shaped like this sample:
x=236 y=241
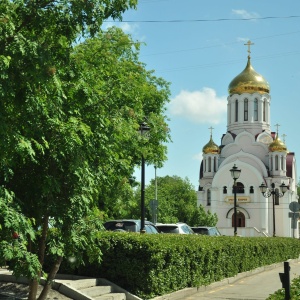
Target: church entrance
x=240 y=219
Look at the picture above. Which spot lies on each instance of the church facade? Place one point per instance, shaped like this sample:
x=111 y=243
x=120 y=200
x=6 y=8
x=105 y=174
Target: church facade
x=263 y=160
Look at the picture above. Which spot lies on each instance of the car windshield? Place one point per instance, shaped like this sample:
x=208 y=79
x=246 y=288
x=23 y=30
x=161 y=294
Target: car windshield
x=200 y=230
x=122 y=225
x=168 y=229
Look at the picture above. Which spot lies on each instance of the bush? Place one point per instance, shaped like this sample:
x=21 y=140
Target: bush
x=294 y=291
x=152 y=265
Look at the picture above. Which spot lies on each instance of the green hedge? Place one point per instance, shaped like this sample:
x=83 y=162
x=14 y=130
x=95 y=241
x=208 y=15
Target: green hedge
x=152 y=265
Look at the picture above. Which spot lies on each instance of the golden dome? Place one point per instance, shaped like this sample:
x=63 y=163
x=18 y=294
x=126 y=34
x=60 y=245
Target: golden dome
x=248 y=81
x=277 y=146
x=211 y=147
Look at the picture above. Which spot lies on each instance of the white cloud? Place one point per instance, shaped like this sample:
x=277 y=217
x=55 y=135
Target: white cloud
x=129 y=28
x=198 y=156
x=200 y=106
x=245 y=14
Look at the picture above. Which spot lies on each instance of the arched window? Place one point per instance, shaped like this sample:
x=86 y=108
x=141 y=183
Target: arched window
x=282 y=162
x=264 y=110
x=236 y=110
x=271 y=164
x=246 y=110
x=209 y=164
x=239 y=188
x=208 y=198
x=240 y=219
x=251 y=190
x=255 y=110
x=276 y=162
x=224 y=189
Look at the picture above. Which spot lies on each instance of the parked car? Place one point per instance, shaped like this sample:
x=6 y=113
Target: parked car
x=179 y=228
x=128 y=225
x=206 y=230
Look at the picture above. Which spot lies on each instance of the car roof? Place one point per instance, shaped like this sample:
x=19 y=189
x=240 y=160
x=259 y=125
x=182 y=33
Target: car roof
x=128 y=220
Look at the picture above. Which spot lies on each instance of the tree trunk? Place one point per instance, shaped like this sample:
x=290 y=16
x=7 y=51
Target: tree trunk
x=34 y=283
x=33 y=287
x=50 y=279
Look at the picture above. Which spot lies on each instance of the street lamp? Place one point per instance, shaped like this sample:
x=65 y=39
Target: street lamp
x=143 y=130
x=235 y=174
x=267 y=192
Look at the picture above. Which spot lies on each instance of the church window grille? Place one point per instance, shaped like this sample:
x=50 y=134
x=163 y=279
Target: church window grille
x=236 y=110
x=208 y=197
x=239 y=188
x=246 y=110
x=224 y=189
x=255 y=110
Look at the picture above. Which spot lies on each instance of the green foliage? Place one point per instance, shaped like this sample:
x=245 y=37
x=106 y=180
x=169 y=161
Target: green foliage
x=177 y=202
x=69 y=114
x=294 y=291
x=172 y=262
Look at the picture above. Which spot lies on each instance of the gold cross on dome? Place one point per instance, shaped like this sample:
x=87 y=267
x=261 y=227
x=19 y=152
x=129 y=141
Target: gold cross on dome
x=283 y=137
x=249 y=43
x=277 y=125
x=211 y=129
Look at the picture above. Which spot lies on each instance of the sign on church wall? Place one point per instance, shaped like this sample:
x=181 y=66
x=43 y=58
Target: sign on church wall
x=239 y=199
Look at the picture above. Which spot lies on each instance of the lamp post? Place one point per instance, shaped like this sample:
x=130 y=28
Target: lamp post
x=267 y=192
x=235 y=174
x=143 y=129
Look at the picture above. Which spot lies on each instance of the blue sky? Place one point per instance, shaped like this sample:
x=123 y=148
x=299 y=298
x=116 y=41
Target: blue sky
x=198 y=46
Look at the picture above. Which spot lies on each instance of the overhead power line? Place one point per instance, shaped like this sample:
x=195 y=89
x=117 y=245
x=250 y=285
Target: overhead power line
x=202 y=20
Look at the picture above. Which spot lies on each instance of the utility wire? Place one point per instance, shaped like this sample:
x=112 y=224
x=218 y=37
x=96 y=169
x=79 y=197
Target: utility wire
x=203 y=20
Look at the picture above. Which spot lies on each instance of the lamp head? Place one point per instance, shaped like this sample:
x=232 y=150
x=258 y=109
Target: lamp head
x=235 y=172
x=263 y=188
x=283 y=188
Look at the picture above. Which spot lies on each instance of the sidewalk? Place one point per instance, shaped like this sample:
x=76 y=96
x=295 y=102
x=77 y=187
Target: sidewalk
x=254 y=285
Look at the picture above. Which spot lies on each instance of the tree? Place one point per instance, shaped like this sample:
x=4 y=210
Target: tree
x=69 y=116
x=177 y=202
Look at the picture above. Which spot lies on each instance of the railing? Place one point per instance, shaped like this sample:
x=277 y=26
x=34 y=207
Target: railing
x=243 y=231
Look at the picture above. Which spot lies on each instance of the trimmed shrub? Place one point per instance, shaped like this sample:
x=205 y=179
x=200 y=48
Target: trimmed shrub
x=152 y=265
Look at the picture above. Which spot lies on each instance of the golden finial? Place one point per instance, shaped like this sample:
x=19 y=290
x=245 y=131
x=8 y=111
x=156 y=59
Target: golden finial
x=211 y=147
x=249 y=43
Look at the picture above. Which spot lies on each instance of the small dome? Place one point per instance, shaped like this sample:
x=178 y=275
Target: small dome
x=211 y=148
x=277 y=146
x=248 y=81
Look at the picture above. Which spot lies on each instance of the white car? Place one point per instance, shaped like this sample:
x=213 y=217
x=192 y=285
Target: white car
x=179 y=228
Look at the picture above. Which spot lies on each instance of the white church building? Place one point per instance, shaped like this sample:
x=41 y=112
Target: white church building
x=263 y=160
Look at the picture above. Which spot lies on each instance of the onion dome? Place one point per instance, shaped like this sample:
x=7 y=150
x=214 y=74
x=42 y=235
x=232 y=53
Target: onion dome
x=277 y=146
x=249 y=81
x=211 y=147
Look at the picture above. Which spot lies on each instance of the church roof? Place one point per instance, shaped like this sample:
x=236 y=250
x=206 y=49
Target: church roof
x=277 y=145
x=248 y=81
x=211 y=147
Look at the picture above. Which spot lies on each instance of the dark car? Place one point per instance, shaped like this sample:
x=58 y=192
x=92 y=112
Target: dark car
x=206 y=230
x=128 y=225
